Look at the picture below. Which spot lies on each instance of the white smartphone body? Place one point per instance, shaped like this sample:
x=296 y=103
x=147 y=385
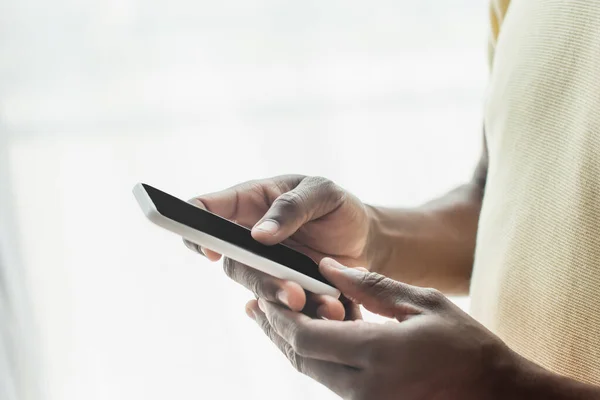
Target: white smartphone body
x=230 y=239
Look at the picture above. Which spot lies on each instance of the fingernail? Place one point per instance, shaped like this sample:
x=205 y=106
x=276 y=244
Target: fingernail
x=201 y=251
x=355 y=272
x=250 y=313
x=197 y=249
x=330 y=262
x=283 y=298
x=262 y=305
x=321 y=311
x=362 y=269
x=268 y=226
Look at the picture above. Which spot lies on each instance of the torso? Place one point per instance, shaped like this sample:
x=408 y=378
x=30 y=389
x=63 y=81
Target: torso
x=536 y=281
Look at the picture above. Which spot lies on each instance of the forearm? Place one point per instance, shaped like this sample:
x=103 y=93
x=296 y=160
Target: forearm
x=432 y=245
x=530 y=381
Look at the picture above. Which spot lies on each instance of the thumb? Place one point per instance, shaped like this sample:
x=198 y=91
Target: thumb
x=313 y=198
x=378 y=294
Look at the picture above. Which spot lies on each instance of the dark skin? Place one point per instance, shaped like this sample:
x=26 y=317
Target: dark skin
x=312 y=214
x=431 y=245
x=433 y=350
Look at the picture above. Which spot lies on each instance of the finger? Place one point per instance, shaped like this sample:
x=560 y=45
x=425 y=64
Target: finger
x=244 y=203
x=353 y=312
x=340 y=309
x=336 y=377
x=211 y=255
x=192 y=246
x=342 y=342
x=287 y=293
x=312 y=198
x=327 y=307
x=379 y=294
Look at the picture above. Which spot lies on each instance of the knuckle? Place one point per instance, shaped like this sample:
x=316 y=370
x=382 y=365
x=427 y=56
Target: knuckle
x=285 y=183
x=247 y=277
x=328 y=189
x=192 y=246
x=290 y=200
x=252 y=281
x=432 y=297
x=265 y=288
x=260 y=284
x=256 y=186
x=294 y=358
x=290 y=204
x=229 y=267
x=319 y=181
x=300 y=340
x=373 y=280
x=266 y=327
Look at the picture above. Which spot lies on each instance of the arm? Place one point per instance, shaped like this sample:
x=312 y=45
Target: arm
x=432 y=245
x=533 y=382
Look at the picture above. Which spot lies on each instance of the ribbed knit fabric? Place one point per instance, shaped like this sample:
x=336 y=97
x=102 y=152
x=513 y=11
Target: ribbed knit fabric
x=536 y=281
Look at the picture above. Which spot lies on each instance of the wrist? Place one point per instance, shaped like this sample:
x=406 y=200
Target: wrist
x=397 y=237
x=500 y=374
x=506 y=376
x=426 y=246
x=377 y=248
x=521 y=379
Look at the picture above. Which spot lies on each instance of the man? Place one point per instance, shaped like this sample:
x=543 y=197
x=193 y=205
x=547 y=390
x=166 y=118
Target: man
x=523 y=235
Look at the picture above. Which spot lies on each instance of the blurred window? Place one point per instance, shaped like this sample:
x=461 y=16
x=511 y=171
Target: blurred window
x=384 y=97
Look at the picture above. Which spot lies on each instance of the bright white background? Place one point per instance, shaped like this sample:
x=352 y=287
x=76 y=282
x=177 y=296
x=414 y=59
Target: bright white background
x=384 y=97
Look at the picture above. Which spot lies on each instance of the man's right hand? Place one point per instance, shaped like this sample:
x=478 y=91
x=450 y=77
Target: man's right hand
x=311 y=214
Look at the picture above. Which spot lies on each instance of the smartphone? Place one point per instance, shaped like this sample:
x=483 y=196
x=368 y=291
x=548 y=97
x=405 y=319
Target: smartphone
x=230 y=239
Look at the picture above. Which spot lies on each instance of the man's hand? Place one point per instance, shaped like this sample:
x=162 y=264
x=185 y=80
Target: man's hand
x=311 y=214
x=436 y=351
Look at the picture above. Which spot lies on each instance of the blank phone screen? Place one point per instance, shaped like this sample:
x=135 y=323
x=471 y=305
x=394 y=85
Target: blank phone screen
x=221 y=228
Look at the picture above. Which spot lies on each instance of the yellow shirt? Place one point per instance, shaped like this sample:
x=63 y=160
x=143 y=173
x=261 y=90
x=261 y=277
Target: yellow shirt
x=536 y=280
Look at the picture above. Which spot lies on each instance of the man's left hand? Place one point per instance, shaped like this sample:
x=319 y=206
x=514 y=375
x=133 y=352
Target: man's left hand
x=434 y=351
